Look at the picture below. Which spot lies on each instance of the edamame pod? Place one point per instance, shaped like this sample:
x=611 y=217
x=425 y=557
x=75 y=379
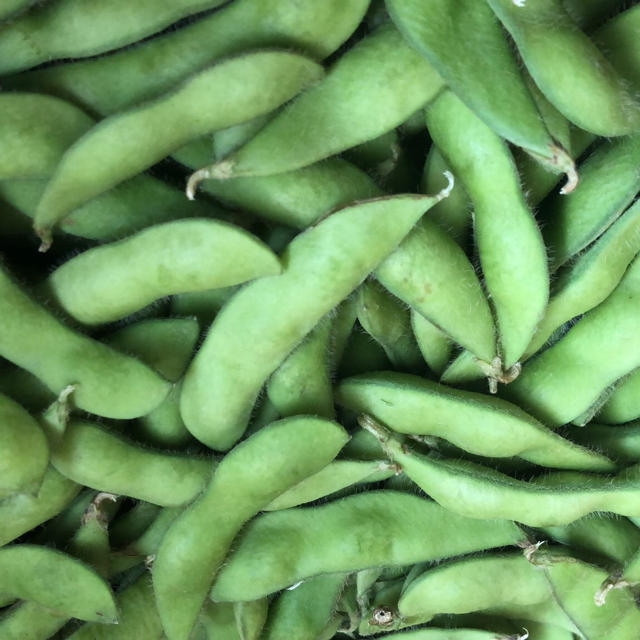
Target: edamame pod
x=517 y=280
x=254 y=473
x=57 y=581
x=622 y=442
x=623 y=404
x=186 y=255
x=250 y=618
x=435 y=345
x=30 y=621
x=373 y=88
x=451 y=634
x=373 y=529
x=322 y=266
x=568 y=67
x=108 y=383
x=120 y=147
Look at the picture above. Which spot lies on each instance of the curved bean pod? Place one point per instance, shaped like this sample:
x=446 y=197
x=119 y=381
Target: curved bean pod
x=112 y=83
x=373 y=529
x=186 y=255
x=434 y=344
x=474 y=422
x=30 y=621
x=358 y=101
x=322 y=267
x=571 y=71
x=119 y=147
x=450 y=634
x=24 y=453
x=622 y=443
x=254 y=473
x=109 y=383
x=569 y=377
x=517 y=281
x=217 y=621
x=623 y=404
x=251 y=617
x=79 y=28
x=57 y=581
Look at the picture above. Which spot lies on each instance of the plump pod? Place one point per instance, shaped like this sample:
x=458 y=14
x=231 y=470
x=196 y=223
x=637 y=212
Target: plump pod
x=373 y=529
x=624 y=403
x=321 y=267
x=621 y=442
x=122 y=145
x=30 y=621
x=108 y=383
x=187 y=255
x=57 y=581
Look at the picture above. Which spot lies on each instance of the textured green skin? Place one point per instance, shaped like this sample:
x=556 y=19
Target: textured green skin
x=569 y=377
x=217 y=621
x=93 y=457
x=447 y=634
x=250 y=618
x=609 y=181
x=109 y=384
x=434 y=344
x=79 y=28
x=589 y=280
x=374 y=529
x=204 y=305
x=35 y=131
x=24 y=453
x=11 y=7
x=119 y=81
x=387 y=321
x=477 y=423
x=132 y=524
x=321 y=267
x=474 y=584
x=431 y=273
x=125 y=144
x=591 y=13
x=464 y=41
x=509 y=242
x=302 y=383
x=176 y=257
x=620 y=442
x=226 y=141
x=304 y=612
x=30 y=621
x=623 y=404
x=568 y=67
x=373 y=88
x=57 y=581
x=262 y=467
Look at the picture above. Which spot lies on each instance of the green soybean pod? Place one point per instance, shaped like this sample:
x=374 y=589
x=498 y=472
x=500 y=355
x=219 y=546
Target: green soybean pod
x=30 y=621
x=186 y=255
x=358 y=101
x=591 y=13
x=108 y=383
x=623 y=404
x=454 y=634
x=251 y=617
x=568 y=378
x=278 y=456
x=226 y=141
x=22 y=512
x=591 y=277
x=278 y=549
x=621 y=442
x=517 y=280
x=434 y=344
x=121 y=146
x=303 y=612
x=119 y=81
x=57 y=581
x=464 y=41
x=24 y=453
x=322 y=267
x=581 y=84
x=79 y=28
x=35 y=131
x=216 y=620
x=474 y=422
x=130 y=525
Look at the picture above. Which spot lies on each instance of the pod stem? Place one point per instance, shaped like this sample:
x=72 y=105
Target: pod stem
x=219 y=171
x=46 y=239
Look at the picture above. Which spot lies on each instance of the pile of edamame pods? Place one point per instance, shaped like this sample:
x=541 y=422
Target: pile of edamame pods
x=319 y=319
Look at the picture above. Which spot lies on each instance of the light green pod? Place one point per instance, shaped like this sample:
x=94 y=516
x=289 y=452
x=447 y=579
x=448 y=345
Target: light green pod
x=22 y=512
x=94 y=457
x=204 y=305
x=11 y=7
x=30 y=621
x=464 y=41
x=387 y=321
x=79 y=28
x=108 y=383
x=251 y=617
x=119 y=81
x=216 y=620
x=24 y=453
x=35 y=131
x=132 y=524
x=303 y=612
x=474 y=422
x=434 y=344
x=509 y=242
x=591 y=13
x=373 y=529
x=569 y=377
x=187 y=255
x=302 y=383
x=122 y=146
x=623 y=404
x=226 y=141
x=452 y=634
x=622 y=442
x=322 y=267
x=344 y=319
x=432 y=274
x=587 y=281
x=254 y=473
x=57 y=581
x=372 y=89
